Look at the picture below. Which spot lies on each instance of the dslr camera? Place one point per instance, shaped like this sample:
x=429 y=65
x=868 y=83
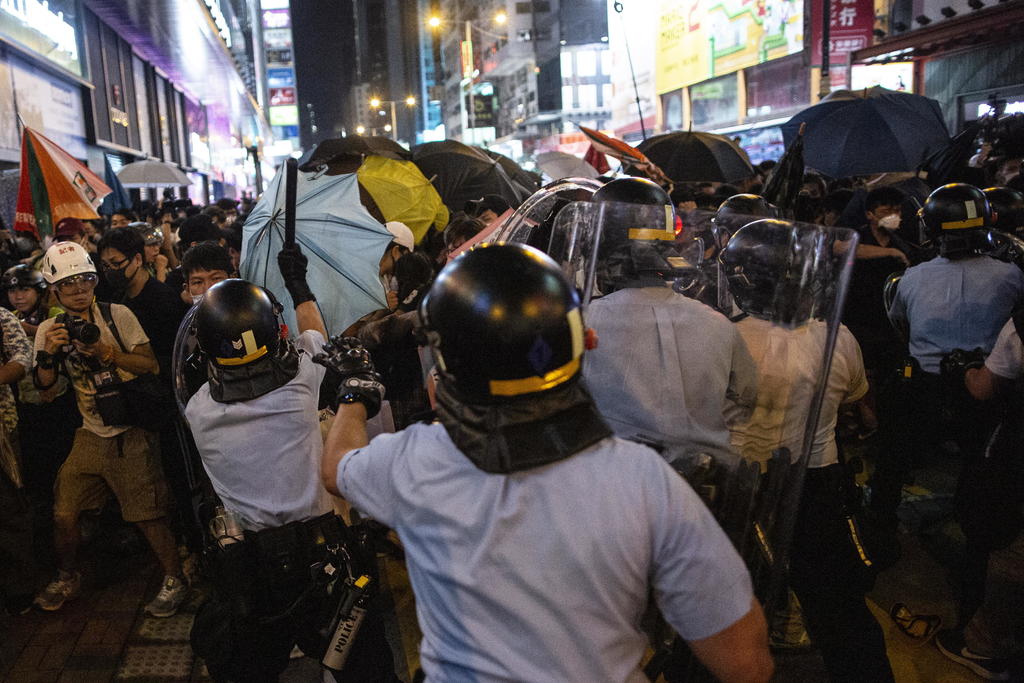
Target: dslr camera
x=80 y=330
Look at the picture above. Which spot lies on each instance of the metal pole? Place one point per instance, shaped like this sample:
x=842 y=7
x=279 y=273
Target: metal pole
x=629 y=56
x=825 y=86
x=472 y=65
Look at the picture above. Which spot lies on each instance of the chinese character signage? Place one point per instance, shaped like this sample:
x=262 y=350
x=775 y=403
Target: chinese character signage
x=280 y=96
x=702 y=39
x=851 y=23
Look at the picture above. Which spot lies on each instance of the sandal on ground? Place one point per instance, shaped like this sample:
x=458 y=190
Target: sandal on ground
x=917 y=626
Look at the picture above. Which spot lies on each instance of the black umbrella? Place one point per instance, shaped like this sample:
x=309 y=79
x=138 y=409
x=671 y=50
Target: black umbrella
x=461 y=173
x=686 y=156
x=948 y=163
x=530 y=182
x=786 y=179
x=869 y=131
x=331 y=150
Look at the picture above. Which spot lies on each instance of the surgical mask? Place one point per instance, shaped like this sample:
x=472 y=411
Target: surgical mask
x=196 y=298
x=890 y=222
x=117 y=279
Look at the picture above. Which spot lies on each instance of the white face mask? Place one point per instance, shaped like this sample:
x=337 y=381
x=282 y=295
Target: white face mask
x=196 y=298
x=890 y=222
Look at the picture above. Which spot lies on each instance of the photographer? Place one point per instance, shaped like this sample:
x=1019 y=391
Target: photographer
x=108 y=457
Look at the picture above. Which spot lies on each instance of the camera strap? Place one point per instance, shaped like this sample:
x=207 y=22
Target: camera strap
x=108 y=318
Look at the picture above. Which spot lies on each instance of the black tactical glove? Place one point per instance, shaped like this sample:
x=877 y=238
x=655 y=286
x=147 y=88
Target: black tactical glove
x=359 y=381
x=293 y=263
x=954 y=366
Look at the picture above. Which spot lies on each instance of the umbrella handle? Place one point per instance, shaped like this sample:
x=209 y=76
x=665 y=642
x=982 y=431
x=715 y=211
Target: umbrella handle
x=290 y=181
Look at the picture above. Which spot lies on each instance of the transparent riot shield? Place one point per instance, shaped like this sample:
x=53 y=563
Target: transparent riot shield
x=734 y=394
x=533 y=221
x=187 y=365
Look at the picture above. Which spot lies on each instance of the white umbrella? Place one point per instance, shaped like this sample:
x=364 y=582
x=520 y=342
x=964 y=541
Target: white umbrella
x=151 y=173
x=558 y=165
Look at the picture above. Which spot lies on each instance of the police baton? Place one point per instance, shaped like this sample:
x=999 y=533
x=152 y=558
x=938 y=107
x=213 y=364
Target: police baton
x=291 y=177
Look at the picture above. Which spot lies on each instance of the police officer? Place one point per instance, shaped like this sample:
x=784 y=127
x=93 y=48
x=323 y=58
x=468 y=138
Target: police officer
x=1007 y=205
x=761 y=262
x=959 y=299
x=667 y=368
x=531 y=534
x=256 y=426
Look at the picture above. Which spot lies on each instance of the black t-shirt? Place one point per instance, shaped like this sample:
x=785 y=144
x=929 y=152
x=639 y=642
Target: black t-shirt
x=159 y=310
x=865 y=310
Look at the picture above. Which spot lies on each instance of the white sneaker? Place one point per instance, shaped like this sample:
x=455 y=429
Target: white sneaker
x=166 y=603
x=65 y=587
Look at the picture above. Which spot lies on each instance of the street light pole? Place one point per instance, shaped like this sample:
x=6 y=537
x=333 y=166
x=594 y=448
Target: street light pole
x=394 y=123
x=472 y=66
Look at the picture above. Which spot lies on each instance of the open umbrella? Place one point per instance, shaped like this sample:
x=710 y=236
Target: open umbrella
x=118 y=197
x=53 y=185
x=402 y=193
x=869 y=131
x=462 y=173
x=353 y=145
x=152 y=173
x=530 y=182
x=558 y=165
x=688 y=156
x=786 y=179
x=342 y=241
x=630 y=156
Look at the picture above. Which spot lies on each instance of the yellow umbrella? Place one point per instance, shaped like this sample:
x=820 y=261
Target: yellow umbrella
x=403 y=193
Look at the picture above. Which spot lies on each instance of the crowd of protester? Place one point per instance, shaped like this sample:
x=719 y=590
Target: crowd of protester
x=102 y=304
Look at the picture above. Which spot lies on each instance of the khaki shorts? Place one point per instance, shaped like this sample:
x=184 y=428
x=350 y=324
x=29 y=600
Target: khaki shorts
x=127 y=466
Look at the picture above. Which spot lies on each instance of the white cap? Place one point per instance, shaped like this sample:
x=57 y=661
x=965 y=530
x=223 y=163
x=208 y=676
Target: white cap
x=63 y=260
x=401 y=234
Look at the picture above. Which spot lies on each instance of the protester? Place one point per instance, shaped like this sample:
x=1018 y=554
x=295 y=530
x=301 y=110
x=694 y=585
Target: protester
x=519 y=457
x=108 y=456
x=122 y=218
x=402 y=242
x=203 y=266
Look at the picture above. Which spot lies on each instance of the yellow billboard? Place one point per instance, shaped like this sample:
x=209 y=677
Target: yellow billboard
x=701 y=39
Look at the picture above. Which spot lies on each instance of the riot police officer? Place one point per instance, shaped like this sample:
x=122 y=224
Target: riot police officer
x=959 y=299
x=667 y=368
x=531 y=534
x=764 y=268
x=1007 y=206
x=279 y=545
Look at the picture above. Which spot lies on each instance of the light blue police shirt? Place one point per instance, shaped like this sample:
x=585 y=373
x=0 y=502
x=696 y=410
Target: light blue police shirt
x=955 y=304
x=668 y=369
x=543 y=575
x=263 y=455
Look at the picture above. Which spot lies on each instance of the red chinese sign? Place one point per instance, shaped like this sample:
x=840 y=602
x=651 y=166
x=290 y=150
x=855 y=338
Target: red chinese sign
x=850 y=28
x=281 y=96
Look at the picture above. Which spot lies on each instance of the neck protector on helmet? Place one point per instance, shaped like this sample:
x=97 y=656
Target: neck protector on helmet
x=525 y=433
x=252 y=380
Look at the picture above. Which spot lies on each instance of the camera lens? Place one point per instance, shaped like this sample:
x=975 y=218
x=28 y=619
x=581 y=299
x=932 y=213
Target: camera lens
x=89 y=333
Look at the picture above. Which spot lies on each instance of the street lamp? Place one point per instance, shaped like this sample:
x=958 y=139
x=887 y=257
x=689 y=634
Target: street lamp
x=360 y=130
x=434 y=21
x=376 y=102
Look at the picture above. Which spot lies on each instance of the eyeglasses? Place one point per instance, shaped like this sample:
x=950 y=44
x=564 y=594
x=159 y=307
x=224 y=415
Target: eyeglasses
x=120 y=265
x=77 y=283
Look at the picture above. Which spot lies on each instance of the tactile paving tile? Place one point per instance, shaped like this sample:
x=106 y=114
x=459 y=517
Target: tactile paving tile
x=170 y=629
x=156 y=661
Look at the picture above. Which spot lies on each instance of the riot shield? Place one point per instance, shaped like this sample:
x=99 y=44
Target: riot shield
x=533 y=221
x=188 y=368
x=677 y=365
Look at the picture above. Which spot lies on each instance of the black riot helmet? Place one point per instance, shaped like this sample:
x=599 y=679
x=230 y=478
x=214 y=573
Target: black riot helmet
x=632 y=191
x=958 y=217
x=503 y=323
x=1007 y=205
x=740 y=205
x=238 y=330
x=769 y=266
x=23 y=276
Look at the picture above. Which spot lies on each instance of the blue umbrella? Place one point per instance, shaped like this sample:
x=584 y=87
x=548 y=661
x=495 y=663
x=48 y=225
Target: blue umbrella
x=119 y=197
x=869 y=131
x=342 y=241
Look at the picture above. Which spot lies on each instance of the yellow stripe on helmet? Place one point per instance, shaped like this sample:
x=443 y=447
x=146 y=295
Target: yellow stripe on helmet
x=247 y=358
x=529 y=385
x=651 y=234
x=960 y=225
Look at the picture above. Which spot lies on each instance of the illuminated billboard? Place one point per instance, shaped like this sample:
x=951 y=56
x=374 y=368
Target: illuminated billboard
x=702 y=39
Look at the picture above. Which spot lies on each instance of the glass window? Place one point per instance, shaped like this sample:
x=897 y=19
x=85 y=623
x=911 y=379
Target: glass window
x=586 y=63
x=567 y=99
x=567 y=65
x=588 y=96
x=606 y=62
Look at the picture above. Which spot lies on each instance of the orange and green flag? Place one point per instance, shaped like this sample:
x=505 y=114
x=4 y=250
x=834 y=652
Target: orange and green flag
x=53 y=185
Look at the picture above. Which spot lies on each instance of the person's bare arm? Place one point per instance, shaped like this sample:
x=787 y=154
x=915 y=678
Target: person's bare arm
x=739 y=653
x=872 y=251
x=11 y=372
x=307 y=315
x=347 y=434
x=140 y=361
x=984 y=384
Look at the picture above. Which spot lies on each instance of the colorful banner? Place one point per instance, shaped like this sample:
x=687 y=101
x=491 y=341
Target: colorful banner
x=702 y=39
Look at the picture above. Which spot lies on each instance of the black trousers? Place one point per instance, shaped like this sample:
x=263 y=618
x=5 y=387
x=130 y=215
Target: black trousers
x=17 y=568
x=826 y=578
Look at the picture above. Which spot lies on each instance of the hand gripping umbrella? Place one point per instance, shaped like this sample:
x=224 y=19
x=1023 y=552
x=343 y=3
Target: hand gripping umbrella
x=342 y=241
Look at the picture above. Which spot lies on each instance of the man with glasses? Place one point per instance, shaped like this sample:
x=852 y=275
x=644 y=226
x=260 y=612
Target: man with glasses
x=105 y=459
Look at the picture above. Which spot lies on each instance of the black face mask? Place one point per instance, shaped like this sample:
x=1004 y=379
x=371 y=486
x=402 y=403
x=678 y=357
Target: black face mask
x=119 y=279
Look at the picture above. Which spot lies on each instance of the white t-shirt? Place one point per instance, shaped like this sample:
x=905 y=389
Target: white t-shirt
x=789 y=363
x=263 y=455
x=543 y=575
x=1007 y=357
x=131 y=333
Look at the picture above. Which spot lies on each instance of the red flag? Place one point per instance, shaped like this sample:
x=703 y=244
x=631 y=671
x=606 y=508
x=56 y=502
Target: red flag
x=597 y=160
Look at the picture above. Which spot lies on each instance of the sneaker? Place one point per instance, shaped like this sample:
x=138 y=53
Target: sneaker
x=65 y=587
x=166 y=603
x=951 y=643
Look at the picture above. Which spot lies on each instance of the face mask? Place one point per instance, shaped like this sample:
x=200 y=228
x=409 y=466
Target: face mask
x=890 y=222
x=196 y=298
x=117 y=279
